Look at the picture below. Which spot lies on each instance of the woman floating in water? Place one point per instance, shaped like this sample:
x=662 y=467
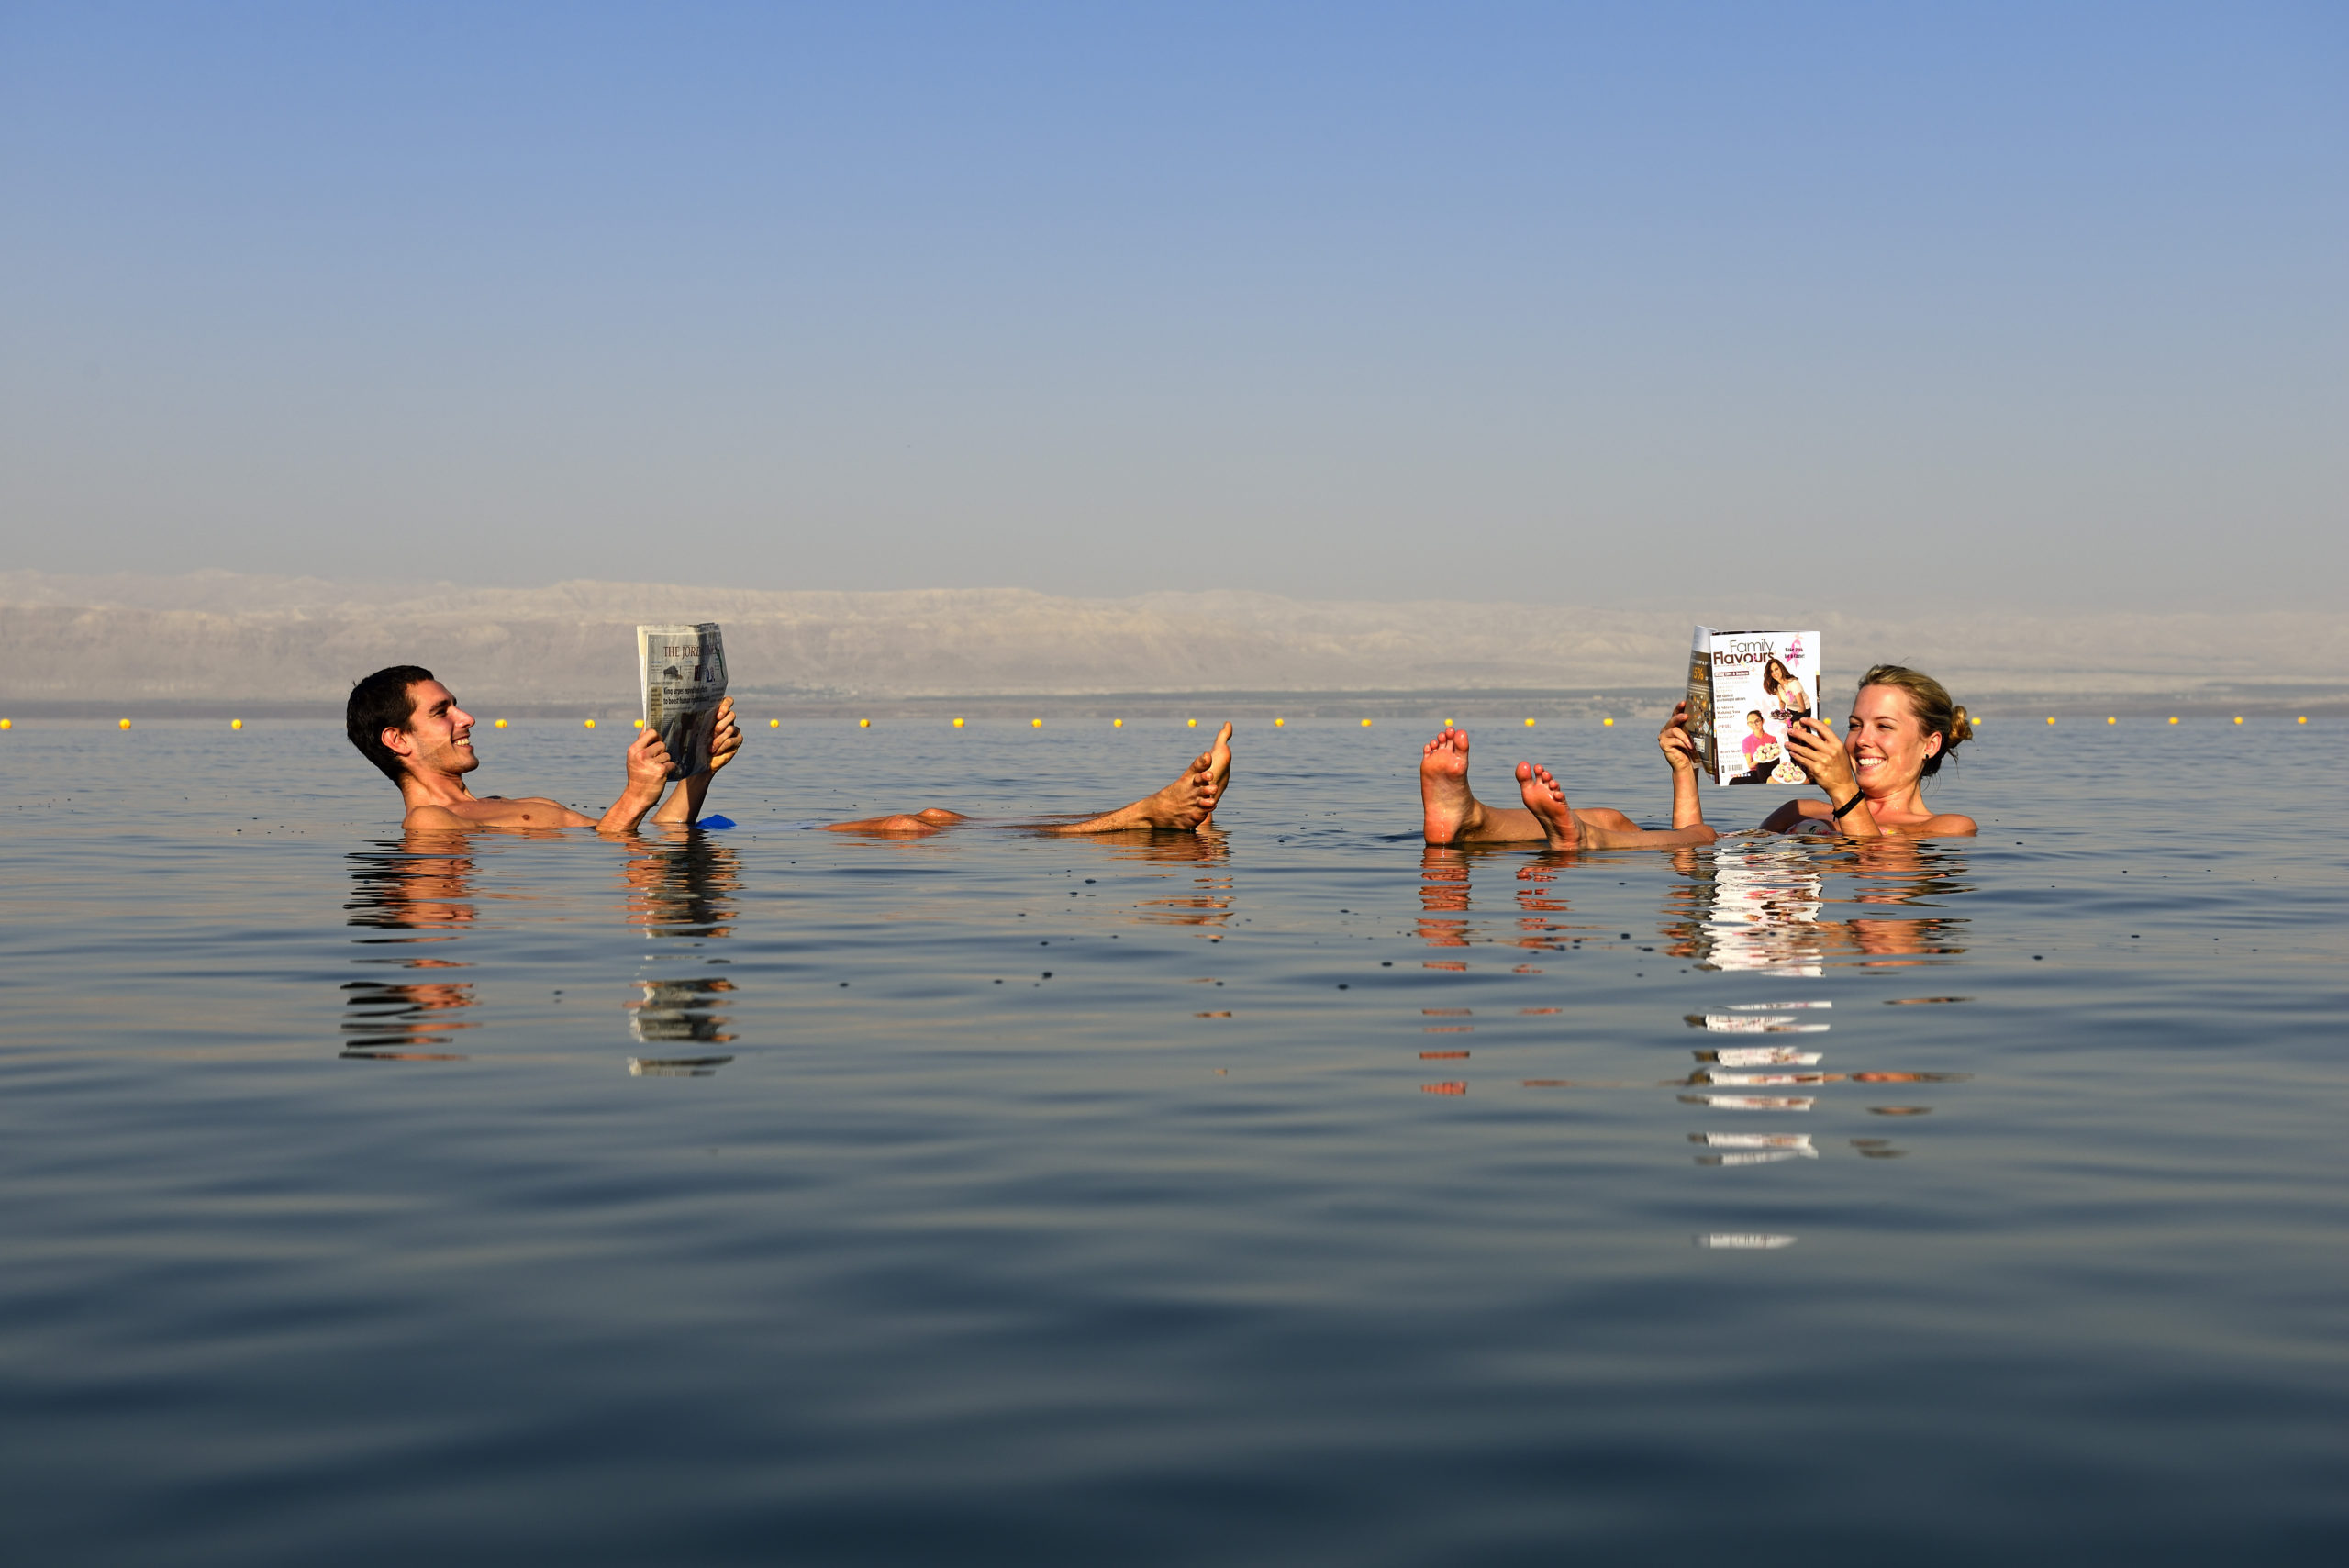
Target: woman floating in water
x=1903 y=724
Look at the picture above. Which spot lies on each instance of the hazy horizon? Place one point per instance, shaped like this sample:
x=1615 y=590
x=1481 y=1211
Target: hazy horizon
x=1895 y=312
x=215 y=636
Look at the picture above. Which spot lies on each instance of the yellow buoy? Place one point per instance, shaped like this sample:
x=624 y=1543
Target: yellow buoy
x=1365 y=724
x=1192 y=723
x=11 y=724
x=958 y=724
x=1035 y=724
x=1447 y=724
x=125 y=723
x=2303 y=719
x=1528 y=724
x=864 y=724
x=1117 y=724
x=2111 y=720
x=1608 y=722
x=640 y=723
x=2050 y=718
x=501 y=724
x=591 y=724
x=2173 y=719
x=774 y=724
x=236 y=723
x=1280 y=723
x=2238 y=718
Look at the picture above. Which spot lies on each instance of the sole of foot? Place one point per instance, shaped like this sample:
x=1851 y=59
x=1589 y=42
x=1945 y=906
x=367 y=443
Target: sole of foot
x=1444 y=796
x=1548 y=802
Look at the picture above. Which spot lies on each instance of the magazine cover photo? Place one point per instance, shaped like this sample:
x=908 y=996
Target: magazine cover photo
x=1745 y=690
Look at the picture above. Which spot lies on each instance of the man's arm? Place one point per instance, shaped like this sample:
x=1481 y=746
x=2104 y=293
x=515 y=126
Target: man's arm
x=684 y=807
x=648 y=773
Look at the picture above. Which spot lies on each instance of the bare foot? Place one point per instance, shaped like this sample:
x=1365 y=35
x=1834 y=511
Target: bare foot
x=1444 y=794
x=1548 y=803
x=938 y=816
x=1218 y=761
x=1186 y=805
x=1454 y=815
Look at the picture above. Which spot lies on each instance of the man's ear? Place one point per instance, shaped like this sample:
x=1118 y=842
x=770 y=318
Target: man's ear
x=398 y=741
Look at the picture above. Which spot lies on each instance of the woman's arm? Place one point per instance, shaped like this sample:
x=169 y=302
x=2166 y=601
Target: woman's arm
x=1679 y=749
x=1815 y=748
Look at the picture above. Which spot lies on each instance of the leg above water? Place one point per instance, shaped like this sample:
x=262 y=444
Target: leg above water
x=1185 y=805
x=1454 y=815
x=1547 y=803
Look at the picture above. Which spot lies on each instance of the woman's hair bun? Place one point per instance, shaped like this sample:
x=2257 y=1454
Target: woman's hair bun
x=1960 y=727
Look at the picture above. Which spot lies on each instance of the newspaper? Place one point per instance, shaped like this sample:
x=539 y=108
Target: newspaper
x=681 y=670
x=1746 y=689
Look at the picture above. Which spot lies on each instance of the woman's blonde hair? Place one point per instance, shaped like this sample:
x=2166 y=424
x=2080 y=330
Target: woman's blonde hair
x=1929 y=700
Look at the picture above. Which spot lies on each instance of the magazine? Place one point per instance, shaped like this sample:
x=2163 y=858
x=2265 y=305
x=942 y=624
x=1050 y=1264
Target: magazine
x=682 y=669
x=1746 y=689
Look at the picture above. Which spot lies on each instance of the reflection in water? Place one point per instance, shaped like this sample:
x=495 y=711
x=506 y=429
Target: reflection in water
x=1208 y=903
x=418 y=892
x=1760 y=1056
x=1749 y=903
x=1446 y=894
x=675 y=1066
x=682 y=889
x=394 y=1023
x=1754 y=904
x=422 y=891
x=675 y=1010
x=1753 y=1023
x=424 y=883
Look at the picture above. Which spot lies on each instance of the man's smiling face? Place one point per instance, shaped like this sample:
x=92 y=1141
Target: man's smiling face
x=438 y=736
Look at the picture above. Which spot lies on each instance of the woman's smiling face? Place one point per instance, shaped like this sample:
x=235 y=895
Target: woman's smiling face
x=1887 y=742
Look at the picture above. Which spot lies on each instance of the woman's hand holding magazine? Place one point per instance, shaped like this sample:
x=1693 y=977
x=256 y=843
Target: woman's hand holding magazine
x=1816 y=751
x=1679 y=746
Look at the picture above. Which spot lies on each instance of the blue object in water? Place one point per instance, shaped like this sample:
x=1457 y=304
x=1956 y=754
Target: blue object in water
x=713 y=823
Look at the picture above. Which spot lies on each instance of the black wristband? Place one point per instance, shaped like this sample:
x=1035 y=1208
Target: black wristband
x=1841 y=810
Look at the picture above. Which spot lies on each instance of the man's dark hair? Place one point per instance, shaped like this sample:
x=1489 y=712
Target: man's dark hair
x=381 y=702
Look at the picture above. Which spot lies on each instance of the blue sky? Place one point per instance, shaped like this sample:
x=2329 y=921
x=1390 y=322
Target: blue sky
x=2039 y=303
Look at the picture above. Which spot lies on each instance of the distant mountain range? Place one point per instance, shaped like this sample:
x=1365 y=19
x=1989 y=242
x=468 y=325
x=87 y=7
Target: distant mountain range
x=214 y=637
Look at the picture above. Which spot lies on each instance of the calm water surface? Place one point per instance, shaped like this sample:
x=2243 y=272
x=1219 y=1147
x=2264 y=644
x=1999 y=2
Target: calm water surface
x=1293 y=1194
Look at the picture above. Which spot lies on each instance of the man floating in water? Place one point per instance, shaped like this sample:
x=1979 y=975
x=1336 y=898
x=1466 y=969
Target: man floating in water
x=1185 y=805
x=409 y=725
